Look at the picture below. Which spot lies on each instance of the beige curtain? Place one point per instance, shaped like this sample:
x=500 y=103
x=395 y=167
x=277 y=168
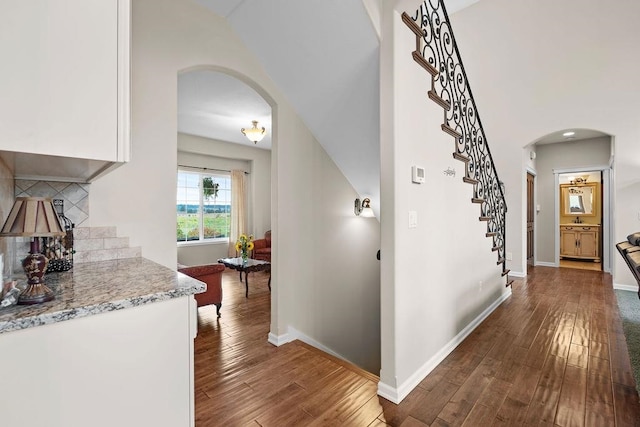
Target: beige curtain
x=238 y=210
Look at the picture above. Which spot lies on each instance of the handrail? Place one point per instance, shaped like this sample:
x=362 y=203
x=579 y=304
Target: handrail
x=437 y=50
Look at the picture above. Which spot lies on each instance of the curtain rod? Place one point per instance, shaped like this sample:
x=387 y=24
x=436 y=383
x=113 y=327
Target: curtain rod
x=209 y=169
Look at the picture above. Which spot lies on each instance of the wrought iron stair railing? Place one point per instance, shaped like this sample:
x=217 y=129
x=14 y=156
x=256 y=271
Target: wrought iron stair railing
x=437 y=52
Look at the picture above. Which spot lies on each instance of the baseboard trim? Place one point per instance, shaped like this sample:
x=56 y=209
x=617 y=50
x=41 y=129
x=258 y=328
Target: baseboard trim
x=397 y=394
x=293 y=334
x=279 y=340
x=297 y=335
x=518 y=274
x=622 y=287
x=546 y=264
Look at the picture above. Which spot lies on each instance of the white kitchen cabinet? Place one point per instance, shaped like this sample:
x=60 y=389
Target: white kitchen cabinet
x=64 y=82
x=129 y=368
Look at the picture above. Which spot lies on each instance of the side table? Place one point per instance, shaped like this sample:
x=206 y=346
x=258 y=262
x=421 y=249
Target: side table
x=247 y=267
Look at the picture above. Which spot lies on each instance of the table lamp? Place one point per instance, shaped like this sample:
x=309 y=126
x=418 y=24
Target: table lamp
x=33 y=217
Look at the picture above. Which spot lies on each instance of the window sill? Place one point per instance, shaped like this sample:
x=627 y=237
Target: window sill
x=203 y=243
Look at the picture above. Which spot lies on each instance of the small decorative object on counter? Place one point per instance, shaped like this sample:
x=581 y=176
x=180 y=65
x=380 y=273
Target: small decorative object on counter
x=59 y=250
x=33 y=217
x=9 y=294
x=244 y=245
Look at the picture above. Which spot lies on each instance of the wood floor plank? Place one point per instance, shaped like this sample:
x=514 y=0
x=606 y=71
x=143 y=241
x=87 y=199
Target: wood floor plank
x=412 y=422
x=343 y=409
x=578 y=356
x=545 y=399
x=461 y=403
x=553 y=354
x=571 y=405
x=525 y=384
x=511 y=413
x=626 y=405
x=342 y=384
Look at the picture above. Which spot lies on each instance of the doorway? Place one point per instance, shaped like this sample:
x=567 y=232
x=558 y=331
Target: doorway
x=581 y=212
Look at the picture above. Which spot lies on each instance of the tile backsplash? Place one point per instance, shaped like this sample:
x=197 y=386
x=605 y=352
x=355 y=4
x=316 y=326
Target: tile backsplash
x=76 y=208
x=6 y=202
x=91 y=243
x=74 y=195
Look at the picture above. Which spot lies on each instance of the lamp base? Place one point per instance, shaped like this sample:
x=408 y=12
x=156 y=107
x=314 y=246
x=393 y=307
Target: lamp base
x=36 y=292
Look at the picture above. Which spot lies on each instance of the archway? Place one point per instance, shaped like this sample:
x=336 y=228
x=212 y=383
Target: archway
x=560 y=155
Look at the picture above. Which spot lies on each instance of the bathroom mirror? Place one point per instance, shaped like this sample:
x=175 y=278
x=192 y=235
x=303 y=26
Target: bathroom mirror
x=578 y=199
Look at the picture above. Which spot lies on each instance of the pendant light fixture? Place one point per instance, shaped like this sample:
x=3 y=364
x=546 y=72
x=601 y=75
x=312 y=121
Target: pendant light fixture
x=254 y=134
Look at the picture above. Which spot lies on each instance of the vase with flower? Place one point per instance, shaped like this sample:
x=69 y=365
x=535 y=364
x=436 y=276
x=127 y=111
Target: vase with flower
x=244 y=244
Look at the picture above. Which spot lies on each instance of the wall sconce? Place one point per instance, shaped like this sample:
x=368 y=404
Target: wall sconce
x=254 y=134
x=363 y=208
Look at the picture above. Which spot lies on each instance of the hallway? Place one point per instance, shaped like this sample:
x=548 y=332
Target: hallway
x=552 y=354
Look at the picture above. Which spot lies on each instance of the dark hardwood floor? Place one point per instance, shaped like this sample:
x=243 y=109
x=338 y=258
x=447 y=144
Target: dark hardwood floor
x=553 y=354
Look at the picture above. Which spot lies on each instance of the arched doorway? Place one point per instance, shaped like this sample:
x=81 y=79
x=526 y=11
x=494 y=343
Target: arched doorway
x=560 y=156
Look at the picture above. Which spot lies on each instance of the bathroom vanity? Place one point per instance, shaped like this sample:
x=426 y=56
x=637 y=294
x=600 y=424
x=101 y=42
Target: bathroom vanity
x=580 y=241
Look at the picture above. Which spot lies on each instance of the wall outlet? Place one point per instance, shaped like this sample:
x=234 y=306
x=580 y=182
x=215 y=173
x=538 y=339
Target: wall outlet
x=509 y=256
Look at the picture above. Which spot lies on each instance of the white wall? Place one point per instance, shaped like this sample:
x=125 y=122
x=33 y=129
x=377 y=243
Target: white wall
x=317 y=243
x=537 y=67
x=439 y=278
x=208 y=153
x=564 y=155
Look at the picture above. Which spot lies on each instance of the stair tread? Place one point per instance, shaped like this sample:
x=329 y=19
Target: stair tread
x=496 y=248
x=411 y=24
x=469 y=180
x=461 y=157
x=439 y=100
x=491 y=234
x=477 y=200
x=485 y=218
x=500 y=261
x=505 y=272
x=448 y=129
x=417 y=56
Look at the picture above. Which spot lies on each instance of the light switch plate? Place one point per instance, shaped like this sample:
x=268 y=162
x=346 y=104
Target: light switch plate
x=413 y=219
x=417 y=174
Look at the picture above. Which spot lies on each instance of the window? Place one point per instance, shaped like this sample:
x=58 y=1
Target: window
x=203 y=207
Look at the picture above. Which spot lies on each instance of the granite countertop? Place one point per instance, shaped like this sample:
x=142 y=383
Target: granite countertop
x=97 y=287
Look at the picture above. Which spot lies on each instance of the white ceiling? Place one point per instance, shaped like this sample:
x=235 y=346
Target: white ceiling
x=215 y=105
x=324 y=56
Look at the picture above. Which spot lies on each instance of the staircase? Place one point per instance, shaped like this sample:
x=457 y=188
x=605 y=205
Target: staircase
x=437 y=52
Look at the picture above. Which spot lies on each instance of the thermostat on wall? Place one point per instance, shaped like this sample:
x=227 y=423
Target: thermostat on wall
x=417 y=174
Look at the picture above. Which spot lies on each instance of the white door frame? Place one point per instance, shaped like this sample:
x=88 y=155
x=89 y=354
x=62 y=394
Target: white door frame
x=535 y=219
x=607 y=209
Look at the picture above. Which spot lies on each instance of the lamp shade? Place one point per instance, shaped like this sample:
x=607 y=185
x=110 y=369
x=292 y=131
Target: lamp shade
x=32 y=217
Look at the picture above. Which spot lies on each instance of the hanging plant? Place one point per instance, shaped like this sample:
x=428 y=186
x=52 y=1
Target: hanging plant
x=209 y=188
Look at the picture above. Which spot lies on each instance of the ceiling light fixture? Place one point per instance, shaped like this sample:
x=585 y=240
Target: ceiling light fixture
x=254 y=134
x=568 y=134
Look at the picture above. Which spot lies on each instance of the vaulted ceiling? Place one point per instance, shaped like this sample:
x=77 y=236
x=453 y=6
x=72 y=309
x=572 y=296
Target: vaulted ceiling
x=324 y=56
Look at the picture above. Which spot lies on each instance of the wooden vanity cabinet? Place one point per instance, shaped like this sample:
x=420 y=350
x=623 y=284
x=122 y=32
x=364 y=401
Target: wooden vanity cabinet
x=580 y=241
